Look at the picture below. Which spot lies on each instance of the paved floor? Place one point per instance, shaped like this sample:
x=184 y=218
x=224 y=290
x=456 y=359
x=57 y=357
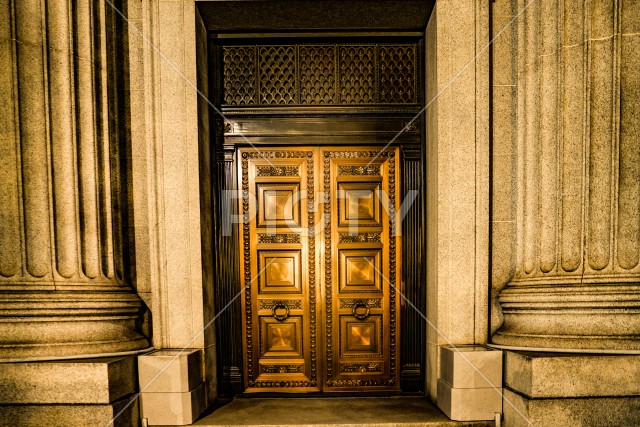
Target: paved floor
x=321 y=412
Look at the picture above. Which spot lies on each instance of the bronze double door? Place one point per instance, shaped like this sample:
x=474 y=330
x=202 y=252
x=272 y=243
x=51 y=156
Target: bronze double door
x=320 y=265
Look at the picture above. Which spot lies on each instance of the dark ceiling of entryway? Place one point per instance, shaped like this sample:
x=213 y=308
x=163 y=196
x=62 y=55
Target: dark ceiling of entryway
x=371 y=15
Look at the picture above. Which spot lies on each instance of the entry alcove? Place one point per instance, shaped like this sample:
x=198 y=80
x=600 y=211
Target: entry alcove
x=286 y=106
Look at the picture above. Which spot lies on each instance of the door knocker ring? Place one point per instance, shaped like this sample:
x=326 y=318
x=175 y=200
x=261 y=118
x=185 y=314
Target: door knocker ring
x=358 y=314
x=280 y=316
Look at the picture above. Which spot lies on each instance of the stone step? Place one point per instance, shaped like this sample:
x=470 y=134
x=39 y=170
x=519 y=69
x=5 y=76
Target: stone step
x=70 y=393
x=332 y=411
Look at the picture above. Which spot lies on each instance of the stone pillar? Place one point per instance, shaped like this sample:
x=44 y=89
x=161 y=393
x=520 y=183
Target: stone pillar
x=63 y=288
x=577 y=278
x=457 y=168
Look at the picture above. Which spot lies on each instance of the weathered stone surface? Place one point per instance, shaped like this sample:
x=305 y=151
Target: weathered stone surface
x=166 y=371
x=545 y=375
x=324 y=412
x=469 y=404
x=469 y=366
x=90 y=381
x=123 y=413
x=173 y=408
x=520 y=411
x=457 y=142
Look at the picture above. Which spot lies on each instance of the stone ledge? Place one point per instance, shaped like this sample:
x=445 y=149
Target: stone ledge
x=87 y=381
x=519 y=411
x=549 y=375
x=73 y=415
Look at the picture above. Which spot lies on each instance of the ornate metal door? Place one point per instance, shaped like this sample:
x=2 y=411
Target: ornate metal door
x=279 y=270
x=320 y=266
x=360 y=269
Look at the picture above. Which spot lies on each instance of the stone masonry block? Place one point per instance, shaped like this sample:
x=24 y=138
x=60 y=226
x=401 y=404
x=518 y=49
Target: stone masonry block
x=173 y=408
x=519 y=411
x=471 y=366
x=165 y=371
x=469 y=404
x=548 y=375
x=87 y=381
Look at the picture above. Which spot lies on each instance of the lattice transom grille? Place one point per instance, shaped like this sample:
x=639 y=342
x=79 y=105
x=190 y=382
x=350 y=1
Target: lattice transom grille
x=327 y=74
x=239 y=75
x=357 y=74
x=277 y=75
x=317 y=75
x=397 y=83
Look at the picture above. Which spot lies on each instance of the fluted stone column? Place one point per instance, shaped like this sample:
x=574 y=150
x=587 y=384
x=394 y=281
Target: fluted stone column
x=577 y=279
x=63 y=289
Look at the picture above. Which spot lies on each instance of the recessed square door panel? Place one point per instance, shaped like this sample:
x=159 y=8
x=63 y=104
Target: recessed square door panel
x=360 y=271
x=359 y=204
x=281 y=338
x=361 y=338
x=279 y=272
x=278 y=205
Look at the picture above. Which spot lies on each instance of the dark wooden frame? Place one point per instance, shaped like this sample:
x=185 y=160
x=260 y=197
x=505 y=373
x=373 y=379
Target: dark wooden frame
x=380 y=123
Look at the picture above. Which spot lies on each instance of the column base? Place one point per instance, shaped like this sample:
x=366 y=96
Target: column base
x=570 y=316
x=63 y=323
x=90 y=392
x=562 y=389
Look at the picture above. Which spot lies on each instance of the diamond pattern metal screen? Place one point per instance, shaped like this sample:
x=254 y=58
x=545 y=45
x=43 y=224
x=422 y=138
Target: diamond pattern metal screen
x=357 y=74
x=397 y=83
x=317 y=75
x=278 y=75
x=327 y=74
x=239 y=75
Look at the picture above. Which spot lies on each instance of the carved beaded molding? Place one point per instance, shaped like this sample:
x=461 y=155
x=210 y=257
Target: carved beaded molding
x=360 y=367
x=269 y=304
x=324 y=74
x=369 y=302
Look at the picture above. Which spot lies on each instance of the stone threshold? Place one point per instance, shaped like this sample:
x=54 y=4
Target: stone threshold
x=394 y=411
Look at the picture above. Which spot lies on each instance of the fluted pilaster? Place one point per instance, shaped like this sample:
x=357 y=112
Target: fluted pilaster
x=63 y=288
x=577 y=279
